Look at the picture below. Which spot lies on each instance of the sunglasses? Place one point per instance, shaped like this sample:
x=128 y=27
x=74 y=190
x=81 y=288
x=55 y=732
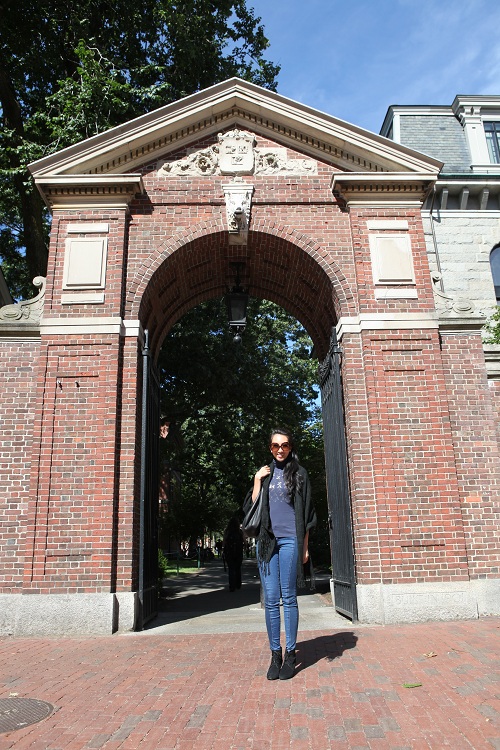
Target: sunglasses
x=277 y=446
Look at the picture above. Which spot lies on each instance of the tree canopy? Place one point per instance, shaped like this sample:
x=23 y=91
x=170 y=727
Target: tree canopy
x=222 y=400
x=492 y=328
x=69 y=71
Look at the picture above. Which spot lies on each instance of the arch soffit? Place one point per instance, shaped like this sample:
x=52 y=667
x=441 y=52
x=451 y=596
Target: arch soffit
x=342 y=293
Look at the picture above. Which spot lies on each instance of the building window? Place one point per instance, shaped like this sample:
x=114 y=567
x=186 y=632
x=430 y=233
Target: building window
x=492 y=131
x=495 y=270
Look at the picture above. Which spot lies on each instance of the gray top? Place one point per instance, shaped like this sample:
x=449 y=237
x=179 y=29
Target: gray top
x=281 y=509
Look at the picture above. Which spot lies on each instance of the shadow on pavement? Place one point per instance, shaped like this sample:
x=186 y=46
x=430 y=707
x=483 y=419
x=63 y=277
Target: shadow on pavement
x=206 y=592
x=327 y=647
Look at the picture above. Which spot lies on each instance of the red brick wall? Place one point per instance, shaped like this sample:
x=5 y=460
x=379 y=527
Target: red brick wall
x=363 y=267
x=129 y=479
x=474 y=423
x=419 y=534
x=494 y=386
x=17 y=410
x=72 y=513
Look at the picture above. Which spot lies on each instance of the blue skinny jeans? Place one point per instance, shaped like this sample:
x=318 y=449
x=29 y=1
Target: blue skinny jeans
x=280 y=579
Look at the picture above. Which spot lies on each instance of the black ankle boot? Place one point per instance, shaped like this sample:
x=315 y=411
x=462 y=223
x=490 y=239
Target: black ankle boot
x=288 y=668
x=276 y=661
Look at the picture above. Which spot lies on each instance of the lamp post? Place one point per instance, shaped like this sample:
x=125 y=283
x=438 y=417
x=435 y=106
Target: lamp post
x=237 y=301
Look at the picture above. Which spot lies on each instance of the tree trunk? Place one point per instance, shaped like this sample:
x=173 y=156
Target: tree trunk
x=31 y=201
x=34 y=236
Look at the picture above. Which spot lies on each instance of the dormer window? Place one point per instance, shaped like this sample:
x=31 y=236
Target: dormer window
x=492 y=131
x=480 y=119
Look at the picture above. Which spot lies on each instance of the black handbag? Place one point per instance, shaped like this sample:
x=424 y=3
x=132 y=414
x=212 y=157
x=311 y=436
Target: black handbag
x=251 y=522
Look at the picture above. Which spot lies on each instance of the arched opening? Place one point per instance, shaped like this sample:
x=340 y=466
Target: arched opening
x=221 y=399
x=271 y=268
x=495 y=270
x=279 y=265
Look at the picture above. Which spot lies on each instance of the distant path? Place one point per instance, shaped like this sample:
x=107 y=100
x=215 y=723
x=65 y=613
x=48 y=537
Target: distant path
x=196 y=603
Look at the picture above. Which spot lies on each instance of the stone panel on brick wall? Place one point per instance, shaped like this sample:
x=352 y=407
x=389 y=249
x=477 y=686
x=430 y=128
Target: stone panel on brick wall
x=417 y=602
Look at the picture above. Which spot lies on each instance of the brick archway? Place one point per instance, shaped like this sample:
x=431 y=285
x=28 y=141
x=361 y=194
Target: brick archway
x=144 y=229
x=278 y=264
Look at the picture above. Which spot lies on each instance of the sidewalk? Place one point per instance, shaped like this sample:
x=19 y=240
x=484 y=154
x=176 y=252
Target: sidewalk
x=196 y=679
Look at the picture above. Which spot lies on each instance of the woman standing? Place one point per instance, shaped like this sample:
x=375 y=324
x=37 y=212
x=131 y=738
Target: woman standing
x=282 y=547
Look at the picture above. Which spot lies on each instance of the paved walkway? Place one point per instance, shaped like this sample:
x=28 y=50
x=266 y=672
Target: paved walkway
x=196 y=680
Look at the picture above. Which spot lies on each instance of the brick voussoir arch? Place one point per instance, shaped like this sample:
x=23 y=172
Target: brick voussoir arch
x=142 y=278
x=343 y=292
x=343 y=295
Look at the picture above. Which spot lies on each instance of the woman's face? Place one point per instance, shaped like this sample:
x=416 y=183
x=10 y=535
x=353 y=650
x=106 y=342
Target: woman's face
x=280 y=446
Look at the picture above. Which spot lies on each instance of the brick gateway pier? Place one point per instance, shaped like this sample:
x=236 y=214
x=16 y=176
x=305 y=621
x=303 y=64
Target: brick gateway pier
x=325 y=220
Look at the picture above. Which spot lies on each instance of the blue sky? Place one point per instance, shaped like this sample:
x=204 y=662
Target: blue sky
x=353 y=59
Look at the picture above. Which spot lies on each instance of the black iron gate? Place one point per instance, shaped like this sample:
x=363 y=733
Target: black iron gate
x=337 y=483
x=148 y=532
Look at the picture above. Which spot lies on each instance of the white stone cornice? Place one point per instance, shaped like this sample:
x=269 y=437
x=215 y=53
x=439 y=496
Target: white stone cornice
x=396 y=189
x=492 y=358
x=19 y=333
x=234 y=103
x=90 y=325
x=478 y=104
x=82 y=298
x=491 y=183
x=89 y=191
x=386 y=322
x=459 y=326
x=132 y=328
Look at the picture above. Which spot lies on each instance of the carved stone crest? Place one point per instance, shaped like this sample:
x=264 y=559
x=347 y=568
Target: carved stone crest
x=236 y=152
x=203 y=162
x=270 y=161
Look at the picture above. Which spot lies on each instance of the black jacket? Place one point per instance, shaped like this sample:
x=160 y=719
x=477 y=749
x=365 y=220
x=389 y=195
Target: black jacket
x=305 y=519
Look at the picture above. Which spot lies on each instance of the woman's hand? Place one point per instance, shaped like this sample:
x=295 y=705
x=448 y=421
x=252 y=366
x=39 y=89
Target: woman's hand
x=305 y=549
x=257 y=480
x=263 y=472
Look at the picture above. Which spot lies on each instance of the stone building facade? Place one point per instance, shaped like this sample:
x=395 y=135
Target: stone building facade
x=324 y=219
x=462 y=214
x=461 y=217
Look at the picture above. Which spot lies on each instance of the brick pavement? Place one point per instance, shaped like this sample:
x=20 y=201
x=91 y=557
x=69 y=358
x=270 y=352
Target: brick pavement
x=177 y=692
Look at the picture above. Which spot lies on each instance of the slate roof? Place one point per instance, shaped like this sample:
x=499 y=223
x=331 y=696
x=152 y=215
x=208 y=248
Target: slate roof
x=439 y=136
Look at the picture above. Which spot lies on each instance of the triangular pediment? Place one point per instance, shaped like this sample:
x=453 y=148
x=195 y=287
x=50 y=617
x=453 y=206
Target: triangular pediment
x=233 y=104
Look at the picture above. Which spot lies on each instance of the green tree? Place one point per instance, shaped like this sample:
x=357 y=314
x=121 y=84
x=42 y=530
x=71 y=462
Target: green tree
x=69 y=71
x=492 y=328
x=223 y=399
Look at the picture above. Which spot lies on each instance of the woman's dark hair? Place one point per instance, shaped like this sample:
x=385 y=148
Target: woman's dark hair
x=290 y=472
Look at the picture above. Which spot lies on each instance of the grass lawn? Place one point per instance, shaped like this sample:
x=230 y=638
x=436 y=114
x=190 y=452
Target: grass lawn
x=185 y=566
